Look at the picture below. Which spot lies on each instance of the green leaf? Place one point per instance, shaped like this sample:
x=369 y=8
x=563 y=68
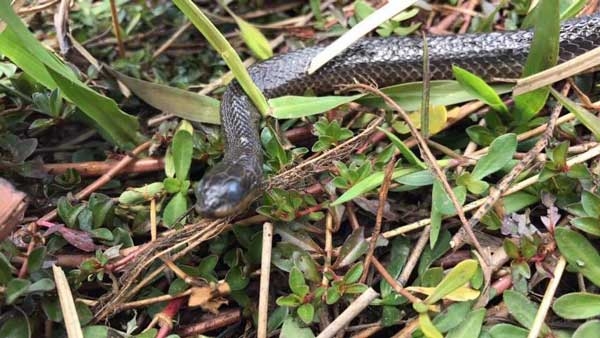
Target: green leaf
x=36 y=259
x=333 y=295
x=185 y=104
x=501 y=151
x=441 y=201
x=16 y=288
x=508 y=331
x=306 y=312
x=400 y=249
x=470 y=326
x=542 y=55
x=404 y=150
x=371 y=182
x=99 y=331
x=276 y=318
x=523 y=310
x=590 y=225
x=16 y=327
x=176 y=208
x=289 y=301
x=577 y=305
x=220 y=44
x=587 y=329
x=591 y=203
x=254 y=39
x=297 y=283
x=182 y=149
x=354 y=273
x=478 y=88
x=589 y=120
x=442 y=93
x=427 y=327
x=353 y=248
x=236 y=279
x=5 y=270
x=452 y=316
x=289 y=107
x=42 y=285
x=456 y=278
x=291 y=329
x=579 y=252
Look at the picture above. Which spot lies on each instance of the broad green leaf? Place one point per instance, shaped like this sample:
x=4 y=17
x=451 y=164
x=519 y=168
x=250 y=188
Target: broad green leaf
x=45 y=67
x=461 y=294
x=276 y=318
x=452 y=316
x=176 y=208
x=291 y=328
x=442 y=93
x=587 y=329
x=508 y=331
x=470 y=327
x=97 y=331
x=353 y=248
x=182 y=149
x=542 y=55
x=400 y=249
x=456 y=278
x=441 y=201
x=254 y=39
x=353 y=274
x=306 y=312
x=429 y=330
x=579 y=252
x=589 y=120
x=369 y=183
x=501 y=151
x=591 y=225
x=183 y=103
x=42 y=285
x=16 y=327
x=297 y=283
x=519 y=200
x=288 y=107
x=522 y=309
x=590 y=203
x=577 y=305
x=16 y=288
x=36 y=259
x=404 y=150
x=5 y=270
x=478 y=88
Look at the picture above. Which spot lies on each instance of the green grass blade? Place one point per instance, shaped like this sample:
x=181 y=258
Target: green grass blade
x=220 y=44
x=183 y=103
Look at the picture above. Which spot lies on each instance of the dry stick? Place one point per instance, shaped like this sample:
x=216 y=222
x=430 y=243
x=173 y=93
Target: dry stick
x=406 y=332
x=548 y=297
x=428 y=156
x=116 y=28
x=383 y=193
x=350 y=313
x=415 y=254
x=265 y=274
x=171 y=40
x=506 y=181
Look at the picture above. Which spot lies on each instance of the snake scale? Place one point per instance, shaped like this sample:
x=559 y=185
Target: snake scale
x=234 y=182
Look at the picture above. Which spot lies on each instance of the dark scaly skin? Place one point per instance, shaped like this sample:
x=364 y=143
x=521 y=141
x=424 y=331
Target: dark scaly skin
x=232 y=184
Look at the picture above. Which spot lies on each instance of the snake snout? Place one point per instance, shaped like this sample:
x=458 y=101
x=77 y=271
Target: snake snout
x=218 y=197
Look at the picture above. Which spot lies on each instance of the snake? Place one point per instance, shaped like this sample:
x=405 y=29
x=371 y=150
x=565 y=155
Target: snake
x=232 y=184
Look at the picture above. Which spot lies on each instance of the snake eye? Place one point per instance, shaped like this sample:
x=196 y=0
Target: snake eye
x=234 y=191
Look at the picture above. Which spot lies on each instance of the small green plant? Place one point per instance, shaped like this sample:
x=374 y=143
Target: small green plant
x=330 y=134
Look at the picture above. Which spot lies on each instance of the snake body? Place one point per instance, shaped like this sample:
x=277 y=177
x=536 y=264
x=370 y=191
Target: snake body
x=233 y=183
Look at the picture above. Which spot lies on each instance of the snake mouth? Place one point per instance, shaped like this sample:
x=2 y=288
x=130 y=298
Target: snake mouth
x=225 y=209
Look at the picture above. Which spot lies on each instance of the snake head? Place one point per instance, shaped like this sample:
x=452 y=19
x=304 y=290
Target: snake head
x=223 y=191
